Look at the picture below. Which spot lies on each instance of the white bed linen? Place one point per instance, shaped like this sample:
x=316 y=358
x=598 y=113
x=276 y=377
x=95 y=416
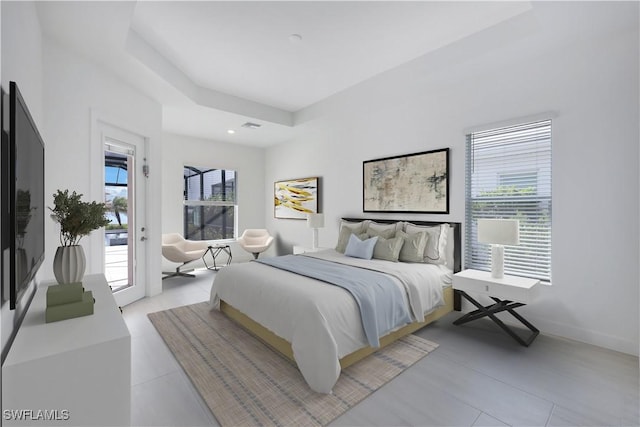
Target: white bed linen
x=321 y=321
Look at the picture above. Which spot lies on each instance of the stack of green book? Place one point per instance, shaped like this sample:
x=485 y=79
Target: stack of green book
x=68 y=301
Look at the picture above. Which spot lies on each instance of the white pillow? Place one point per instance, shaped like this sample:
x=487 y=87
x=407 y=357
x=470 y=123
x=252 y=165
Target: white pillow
x=435 y=250
x=357 y=248
x=450 y=248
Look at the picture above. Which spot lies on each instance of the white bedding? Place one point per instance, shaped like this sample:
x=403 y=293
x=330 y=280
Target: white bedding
x=321 y=321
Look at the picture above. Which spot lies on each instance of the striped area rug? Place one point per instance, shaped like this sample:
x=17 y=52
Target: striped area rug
x=246 y=383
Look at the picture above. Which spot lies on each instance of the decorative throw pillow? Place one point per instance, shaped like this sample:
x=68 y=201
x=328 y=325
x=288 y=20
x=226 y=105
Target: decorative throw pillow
x=362 y=236
x=386 y=234
x=383 y=230
x=388 y=249
x=357 y=248
x=346 y=229
x=413 y=248
x=434 y=252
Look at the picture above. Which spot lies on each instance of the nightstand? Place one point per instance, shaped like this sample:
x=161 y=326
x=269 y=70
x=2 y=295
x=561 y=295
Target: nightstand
x=509 y=293
x=302 y=249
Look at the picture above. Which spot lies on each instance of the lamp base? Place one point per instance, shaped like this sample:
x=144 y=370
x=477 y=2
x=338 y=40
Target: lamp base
x=497 y=261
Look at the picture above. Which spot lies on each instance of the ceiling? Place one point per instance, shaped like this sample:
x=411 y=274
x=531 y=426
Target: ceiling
x=215 y=65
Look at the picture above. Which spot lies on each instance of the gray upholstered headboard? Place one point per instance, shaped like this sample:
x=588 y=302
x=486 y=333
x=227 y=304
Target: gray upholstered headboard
x=455 y=226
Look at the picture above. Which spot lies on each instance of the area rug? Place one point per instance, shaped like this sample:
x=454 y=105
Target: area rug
x=245 y=383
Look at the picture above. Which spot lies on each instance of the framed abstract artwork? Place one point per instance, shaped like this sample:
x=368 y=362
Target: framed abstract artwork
x=417 y=183
x=295 y=198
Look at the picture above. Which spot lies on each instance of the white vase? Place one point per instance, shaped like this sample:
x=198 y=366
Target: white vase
x=69 y=264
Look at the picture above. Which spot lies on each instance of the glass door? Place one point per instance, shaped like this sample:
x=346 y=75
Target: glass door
x=124 y=195
x=118 y=262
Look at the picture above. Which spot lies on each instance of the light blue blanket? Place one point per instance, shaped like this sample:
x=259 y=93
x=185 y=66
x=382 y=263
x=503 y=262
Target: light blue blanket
x=381 y=302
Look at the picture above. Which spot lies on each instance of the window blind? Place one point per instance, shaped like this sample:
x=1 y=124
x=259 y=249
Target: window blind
x=508 y=175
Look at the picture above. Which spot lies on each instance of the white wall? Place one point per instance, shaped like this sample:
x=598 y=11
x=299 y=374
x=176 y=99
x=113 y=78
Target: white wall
x=22 y=53
x=22 y=63
x=248 y=162
x=78 y=91
x=548 y=60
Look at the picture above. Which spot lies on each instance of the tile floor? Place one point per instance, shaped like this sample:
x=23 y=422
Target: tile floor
x=477 y=377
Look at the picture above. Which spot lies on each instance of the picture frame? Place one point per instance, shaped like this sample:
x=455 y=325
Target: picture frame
x=295 y=198
x=410 y=183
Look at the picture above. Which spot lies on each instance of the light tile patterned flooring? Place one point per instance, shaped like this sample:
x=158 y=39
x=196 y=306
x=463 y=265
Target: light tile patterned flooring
x=477 y=377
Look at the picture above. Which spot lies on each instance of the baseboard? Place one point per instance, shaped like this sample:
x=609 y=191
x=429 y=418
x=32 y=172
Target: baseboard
x=563 y=330
x=610 y=342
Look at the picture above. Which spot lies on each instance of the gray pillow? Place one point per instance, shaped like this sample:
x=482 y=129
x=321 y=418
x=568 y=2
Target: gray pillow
x=363 y=236
x=384 y=233
x=435 y=250
x=388 y=249
x=346 y=229
x=383 y=230
x=413 y=248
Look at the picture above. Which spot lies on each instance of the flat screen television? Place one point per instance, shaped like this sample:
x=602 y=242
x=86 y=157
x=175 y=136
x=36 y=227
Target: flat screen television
x=26 y=196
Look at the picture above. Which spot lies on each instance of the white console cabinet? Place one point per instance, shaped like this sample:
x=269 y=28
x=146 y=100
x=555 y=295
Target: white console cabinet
x=75 y=372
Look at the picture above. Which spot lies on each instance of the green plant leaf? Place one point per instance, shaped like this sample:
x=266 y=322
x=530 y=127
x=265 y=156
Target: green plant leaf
x=76 y=218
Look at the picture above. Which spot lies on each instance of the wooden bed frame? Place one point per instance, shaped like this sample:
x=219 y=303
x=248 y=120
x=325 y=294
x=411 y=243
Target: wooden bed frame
x=284 y=347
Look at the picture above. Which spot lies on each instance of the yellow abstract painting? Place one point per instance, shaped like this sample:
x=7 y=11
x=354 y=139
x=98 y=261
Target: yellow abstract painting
x=296 y=198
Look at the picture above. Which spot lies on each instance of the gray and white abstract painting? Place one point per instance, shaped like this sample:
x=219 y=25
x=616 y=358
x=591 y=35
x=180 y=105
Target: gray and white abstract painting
x=409 y=183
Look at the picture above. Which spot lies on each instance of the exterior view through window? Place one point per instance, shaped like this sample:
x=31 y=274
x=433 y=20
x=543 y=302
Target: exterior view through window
x=508 y=175
x=210 y=203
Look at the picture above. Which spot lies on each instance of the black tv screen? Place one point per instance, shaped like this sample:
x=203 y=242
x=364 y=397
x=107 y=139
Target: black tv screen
x=26 y=193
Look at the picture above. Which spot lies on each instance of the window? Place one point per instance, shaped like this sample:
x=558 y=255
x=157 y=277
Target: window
x=508 y=175
x=209 y=203
x=519 y=180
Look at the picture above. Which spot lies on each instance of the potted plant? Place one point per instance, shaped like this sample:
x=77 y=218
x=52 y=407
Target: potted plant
x=77 y=219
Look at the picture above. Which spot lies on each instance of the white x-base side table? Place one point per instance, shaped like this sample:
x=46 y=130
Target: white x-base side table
x=509 y=293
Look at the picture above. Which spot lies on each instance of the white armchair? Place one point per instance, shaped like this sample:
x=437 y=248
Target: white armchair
x=255 y=241
x=176 y=248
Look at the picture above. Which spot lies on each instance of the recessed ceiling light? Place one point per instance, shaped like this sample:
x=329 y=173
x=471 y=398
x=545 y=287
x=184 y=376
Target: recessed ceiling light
x=295 y=38
x=231 y=131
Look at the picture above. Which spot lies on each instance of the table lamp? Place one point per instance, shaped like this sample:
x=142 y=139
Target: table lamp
x=498 y=232
x=315 y=221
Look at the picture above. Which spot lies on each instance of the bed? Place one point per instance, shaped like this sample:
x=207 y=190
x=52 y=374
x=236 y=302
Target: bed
x=319 y=326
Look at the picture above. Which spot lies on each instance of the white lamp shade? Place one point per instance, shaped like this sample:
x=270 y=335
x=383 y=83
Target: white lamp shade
x=499 y=231
x=315 y=220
